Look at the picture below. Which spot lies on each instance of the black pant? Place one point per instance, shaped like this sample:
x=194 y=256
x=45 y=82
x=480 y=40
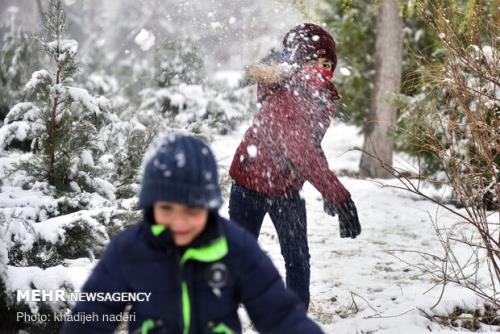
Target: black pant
x=248 y=208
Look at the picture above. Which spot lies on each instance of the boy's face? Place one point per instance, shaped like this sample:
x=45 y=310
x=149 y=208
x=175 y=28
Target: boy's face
x=184 y=222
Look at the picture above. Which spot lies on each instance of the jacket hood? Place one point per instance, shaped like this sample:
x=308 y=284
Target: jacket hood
x=269 y=74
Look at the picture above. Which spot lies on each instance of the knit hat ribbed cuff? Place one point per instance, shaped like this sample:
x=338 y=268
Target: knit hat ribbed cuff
x=208 y=196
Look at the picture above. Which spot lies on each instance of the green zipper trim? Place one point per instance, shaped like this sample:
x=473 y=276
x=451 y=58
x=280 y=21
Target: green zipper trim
x=210 y=253
x=147 y=325
x=222 y=329
x=186 y=307
x=157 y=229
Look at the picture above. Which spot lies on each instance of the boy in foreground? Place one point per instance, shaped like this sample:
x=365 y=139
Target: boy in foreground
x=197 y=266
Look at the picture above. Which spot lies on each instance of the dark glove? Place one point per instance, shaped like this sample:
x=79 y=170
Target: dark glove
x=348 y=220
x=329 y=208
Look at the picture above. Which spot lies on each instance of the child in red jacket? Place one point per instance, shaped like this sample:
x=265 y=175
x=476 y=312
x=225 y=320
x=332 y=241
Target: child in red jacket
x=282 y=150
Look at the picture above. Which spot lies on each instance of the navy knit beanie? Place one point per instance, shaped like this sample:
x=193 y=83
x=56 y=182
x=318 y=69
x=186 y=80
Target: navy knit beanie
x=180 y=168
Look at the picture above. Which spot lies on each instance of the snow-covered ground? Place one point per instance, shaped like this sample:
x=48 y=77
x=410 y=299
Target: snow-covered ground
x=357 y=286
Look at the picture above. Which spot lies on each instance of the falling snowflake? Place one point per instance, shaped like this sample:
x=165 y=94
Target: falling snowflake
x=145 y=39
x=345 y=71
x=252 y=151
x=180 y=157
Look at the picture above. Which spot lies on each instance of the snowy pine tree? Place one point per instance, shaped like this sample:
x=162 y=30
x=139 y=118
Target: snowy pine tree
x=60 y=121
x=125 y=143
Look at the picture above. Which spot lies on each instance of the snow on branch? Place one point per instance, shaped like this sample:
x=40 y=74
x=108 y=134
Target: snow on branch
x=38 y=78
x=24 y=111
x=82 y=96
x=63 y=46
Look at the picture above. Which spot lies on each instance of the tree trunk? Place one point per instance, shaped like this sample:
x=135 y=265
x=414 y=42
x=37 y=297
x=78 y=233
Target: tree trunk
x=382 y=117
x=40 y=13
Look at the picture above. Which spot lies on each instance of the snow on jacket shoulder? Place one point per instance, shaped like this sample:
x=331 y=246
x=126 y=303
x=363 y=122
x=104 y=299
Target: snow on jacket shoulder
x=282 y=148
x=197 y=291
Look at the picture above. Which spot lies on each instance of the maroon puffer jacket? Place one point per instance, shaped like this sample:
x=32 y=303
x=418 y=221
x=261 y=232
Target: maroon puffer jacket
x=282 y=148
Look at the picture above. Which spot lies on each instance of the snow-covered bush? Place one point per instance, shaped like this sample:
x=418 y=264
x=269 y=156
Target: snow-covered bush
x=455 y=122
x=455 y=108
x=81 y=237
x=198 y=109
